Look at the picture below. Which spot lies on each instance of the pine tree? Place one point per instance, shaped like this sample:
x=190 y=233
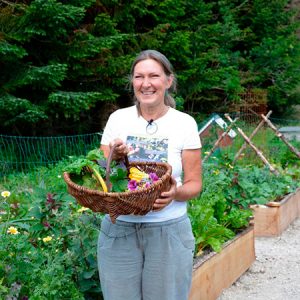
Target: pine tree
x=63 y=62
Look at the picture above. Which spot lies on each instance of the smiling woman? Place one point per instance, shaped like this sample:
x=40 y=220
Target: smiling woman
x=132 y=251
x=150 y=84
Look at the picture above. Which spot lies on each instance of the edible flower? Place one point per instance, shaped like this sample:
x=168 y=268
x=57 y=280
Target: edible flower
x=47 y=239
x=140 y=179
x=5 y=194
x=12 y=230
x=132 y=185
x=136 y=174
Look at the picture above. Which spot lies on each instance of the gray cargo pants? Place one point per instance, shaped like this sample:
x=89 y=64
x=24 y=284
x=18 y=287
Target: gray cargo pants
x=146 y=261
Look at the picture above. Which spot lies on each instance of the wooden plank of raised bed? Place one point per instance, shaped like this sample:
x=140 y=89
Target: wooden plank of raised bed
x=220 y=270
x=274 y=217
x=297 y=197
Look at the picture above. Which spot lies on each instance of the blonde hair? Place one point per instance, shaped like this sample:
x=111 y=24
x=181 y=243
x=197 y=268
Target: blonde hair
x=167 y=67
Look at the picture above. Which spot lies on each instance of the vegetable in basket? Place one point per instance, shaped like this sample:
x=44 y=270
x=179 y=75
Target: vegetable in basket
x=90 y=170
x=87 y=172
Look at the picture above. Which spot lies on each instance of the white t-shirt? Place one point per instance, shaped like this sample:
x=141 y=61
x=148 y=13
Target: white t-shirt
x=176 y=131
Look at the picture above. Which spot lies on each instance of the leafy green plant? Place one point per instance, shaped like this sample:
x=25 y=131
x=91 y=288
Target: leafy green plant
x=254 y=185
x=87 y=172
x=49 y=251
x=90 y=170
x=48 y=242
x=214 y=220
x=223 y=208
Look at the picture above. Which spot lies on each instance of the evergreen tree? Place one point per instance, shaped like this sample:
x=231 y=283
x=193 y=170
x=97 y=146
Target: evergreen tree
x=57 y=62
x=62 y=63
x=270 y=50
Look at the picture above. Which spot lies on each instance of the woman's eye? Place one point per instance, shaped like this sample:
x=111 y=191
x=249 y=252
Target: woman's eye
x=137 y=77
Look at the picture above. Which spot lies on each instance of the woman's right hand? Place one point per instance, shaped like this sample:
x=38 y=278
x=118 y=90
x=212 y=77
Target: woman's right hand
x=120 y=149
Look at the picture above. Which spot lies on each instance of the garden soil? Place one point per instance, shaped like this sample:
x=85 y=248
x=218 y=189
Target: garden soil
x=275 y=274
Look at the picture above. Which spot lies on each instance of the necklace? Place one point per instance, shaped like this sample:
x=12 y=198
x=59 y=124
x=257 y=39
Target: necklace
x=151 y=127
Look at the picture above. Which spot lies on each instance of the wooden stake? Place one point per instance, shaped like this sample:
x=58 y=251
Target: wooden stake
x=262 y=122
x=281 y=136
x=221 y=137
x=257 y=151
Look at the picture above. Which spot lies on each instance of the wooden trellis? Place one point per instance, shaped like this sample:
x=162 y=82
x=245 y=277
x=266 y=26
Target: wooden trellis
x=221 y=137
x=265 y=120
x=257 y=151
x=250 y=137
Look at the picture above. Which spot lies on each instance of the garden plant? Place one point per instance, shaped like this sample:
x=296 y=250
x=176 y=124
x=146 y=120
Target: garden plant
x=48 y=241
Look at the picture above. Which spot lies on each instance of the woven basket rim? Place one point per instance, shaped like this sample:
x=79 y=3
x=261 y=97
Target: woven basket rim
x=164 y=177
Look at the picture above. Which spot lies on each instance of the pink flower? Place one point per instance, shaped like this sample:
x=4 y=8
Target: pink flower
x=46 y=224
x=153 y=177
x=132 y=185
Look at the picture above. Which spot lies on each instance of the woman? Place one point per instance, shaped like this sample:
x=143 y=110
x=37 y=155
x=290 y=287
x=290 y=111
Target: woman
x=150 y=257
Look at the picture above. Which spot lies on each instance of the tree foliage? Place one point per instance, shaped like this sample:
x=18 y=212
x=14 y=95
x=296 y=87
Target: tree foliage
x=63 y=63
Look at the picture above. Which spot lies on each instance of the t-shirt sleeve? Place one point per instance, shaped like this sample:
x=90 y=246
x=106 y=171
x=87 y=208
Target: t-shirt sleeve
x=192 y=138
x=111 y=130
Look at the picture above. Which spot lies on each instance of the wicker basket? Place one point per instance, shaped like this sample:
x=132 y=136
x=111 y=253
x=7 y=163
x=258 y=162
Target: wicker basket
x=138 y=202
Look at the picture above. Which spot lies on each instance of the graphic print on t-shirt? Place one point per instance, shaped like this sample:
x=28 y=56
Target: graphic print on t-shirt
x=147 y=149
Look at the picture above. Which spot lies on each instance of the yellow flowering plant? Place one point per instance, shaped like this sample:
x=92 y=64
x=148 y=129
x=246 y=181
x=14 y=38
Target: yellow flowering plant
x=5 y=210
x=5 y=194
x=12 y=230
x=47 y=239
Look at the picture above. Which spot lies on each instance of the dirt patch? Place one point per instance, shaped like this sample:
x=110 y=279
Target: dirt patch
x=275 y=274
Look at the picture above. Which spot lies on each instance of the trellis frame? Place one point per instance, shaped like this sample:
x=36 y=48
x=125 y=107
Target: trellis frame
x=265 y=120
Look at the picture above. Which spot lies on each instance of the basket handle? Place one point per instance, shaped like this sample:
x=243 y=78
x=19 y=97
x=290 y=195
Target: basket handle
x=109 y=159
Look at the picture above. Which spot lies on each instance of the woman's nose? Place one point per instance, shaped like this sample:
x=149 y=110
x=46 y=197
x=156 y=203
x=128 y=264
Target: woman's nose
x=146 y=82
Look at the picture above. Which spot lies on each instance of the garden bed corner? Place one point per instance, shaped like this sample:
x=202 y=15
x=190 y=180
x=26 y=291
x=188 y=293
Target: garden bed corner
x=217 y=271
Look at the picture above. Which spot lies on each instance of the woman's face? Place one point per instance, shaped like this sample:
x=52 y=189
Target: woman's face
x=150 y=82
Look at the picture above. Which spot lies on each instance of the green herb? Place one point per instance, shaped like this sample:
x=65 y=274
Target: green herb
x=90 y=170
x=86 y=171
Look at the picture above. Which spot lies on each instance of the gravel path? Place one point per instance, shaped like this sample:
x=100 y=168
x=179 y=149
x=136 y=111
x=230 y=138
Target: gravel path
x=275 y=274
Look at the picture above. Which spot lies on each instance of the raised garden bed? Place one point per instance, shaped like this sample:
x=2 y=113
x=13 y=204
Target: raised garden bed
x=274 y=217
x=215 y=272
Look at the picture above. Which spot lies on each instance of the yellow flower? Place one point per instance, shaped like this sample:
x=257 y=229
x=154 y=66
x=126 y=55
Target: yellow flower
x=82 y=209
x=12 y=230
x=217 y=172
x=206 y=152
x=230 y=166
x=5 y=194
x=47 y=239
x=136 y=174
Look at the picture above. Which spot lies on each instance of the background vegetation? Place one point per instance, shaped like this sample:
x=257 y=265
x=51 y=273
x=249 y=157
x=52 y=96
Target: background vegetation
x=63 y=69
x=48 y=243
x=63 y=64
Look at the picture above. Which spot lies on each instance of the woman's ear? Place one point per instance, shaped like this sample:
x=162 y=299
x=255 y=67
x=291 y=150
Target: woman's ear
x=170 y=79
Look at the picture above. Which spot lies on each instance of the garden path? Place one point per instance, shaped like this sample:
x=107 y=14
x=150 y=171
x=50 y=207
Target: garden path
x=275 y=275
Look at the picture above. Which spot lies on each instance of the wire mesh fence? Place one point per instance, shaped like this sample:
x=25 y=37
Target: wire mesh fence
x=22 y=154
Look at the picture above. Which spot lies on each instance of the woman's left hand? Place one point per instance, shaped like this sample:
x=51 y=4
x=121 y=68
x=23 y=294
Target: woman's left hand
x=165 y=197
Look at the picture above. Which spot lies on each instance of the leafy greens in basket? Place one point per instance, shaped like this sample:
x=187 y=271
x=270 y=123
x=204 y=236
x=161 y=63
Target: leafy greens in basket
x=90 y=171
